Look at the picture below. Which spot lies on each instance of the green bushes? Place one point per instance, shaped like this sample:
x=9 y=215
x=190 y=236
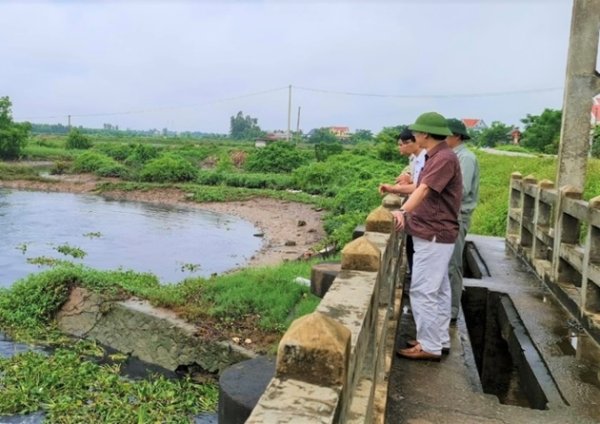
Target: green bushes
x=232 y=179
x=168 y=168
x=77 y=140
x=140 y=154
x=324 y=150
x=333 y=175
x=114 y=150
x=91 y=161
x=276 y=157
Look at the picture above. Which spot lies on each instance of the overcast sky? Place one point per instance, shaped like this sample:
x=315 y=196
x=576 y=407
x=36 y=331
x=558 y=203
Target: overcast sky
x=187 y=65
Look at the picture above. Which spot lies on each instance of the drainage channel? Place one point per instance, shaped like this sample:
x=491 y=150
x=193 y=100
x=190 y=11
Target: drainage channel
x=508 y=362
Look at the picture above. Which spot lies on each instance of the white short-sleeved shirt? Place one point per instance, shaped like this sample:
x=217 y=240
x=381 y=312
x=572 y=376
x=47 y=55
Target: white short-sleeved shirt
x=417 y=164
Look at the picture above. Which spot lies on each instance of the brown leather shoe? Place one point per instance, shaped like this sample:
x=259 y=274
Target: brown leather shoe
x=419 y=354
x=413 y=343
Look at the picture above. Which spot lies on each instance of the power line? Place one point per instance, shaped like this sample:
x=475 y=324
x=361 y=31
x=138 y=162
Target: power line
x=156 y=109
x=431 y=96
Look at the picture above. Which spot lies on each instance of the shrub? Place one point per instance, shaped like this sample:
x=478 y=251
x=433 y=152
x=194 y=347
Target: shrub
x=140 y=154
x=77 y=140
x=113 y=170
x=324 y=150
x=277 y=157
x=92 y=161
x=117 y=151
x=59 y=168
x=168 y=168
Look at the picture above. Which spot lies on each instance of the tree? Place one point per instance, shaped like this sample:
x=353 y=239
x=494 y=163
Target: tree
x=322 y=135
x=596 y=142
x=542 y=132
x=497 y=133
x=244 y=127
x=361 y=136
x=387 y=143
x=13 y=136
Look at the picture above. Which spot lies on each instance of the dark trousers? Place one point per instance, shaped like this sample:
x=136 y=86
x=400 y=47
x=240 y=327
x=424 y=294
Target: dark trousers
x=410 y=251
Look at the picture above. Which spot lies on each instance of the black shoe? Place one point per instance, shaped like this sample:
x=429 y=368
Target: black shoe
x=453 y=322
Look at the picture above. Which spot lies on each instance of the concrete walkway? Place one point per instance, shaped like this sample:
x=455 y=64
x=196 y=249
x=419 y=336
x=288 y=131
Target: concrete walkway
x=450 y=391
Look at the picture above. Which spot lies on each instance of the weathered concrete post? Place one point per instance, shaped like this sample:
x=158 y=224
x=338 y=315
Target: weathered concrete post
x=582 y=84
x=542 y=223
x=527 y=213
x=513 y=227
x=590 y=291
x=566 y=231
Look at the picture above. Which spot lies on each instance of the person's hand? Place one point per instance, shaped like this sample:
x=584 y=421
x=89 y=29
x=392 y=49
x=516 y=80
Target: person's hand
x=384 y=188
x=403 y=179
x=399 y=220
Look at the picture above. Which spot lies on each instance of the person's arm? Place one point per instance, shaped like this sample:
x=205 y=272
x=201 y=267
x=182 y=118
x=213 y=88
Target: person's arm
x=467 y=169
x=410 y=205
x=396 y=188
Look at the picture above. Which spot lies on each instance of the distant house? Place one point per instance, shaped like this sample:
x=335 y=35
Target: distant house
x=474 y=124
x=340 y=132
x=515 y=135
x=596 y=111
x=269 y=138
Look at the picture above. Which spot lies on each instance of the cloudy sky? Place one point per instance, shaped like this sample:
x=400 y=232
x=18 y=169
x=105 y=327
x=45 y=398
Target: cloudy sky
x=190 y=65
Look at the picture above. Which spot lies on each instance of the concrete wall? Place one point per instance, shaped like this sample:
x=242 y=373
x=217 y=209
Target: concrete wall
x=331 y=365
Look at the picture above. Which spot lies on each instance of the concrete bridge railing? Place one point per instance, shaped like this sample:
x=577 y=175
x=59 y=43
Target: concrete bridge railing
x=558 y=234
x=331 y=365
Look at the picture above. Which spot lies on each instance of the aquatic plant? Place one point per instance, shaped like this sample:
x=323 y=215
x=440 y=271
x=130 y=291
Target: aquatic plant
x=67 y=250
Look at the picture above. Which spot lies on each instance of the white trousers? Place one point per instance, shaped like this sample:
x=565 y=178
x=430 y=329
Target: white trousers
x=430 y=294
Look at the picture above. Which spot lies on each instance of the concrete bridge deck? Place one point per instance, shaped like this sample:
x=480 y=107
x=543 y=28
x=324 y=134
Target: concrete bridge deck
x=451 y=392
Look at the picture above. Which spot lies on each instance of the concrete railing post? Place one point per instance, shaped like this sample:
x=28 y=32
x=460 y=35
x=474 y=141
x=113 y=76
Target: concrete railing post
x=542 y=220
x=566 y=231
x=513 y=220
x=527 y=212
x=590 y=291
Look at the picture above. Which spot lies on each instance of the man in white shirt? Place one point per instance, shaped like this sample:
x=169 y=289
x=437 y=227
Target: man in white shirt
x=406 y=182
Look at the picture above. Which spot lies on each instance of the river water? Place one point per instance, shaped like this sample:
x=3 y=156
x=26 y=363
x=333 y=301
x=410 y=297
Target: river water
x=171 y=242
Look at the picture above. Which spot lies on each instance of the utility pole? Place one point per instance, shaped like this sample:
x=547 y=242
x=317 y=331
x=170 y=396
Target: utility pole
x=69 y=121
x=289 y=112
x=298 y=124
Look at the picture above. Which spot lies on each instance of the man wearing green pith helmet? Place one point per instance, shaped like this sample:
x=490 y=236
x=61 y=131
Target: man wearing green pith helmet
x=430 y=216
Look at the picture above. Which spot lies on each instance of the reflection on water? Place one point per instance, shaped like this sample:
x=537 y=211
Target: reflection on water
x=35 y=418
x=170 y=242
x=9 y=348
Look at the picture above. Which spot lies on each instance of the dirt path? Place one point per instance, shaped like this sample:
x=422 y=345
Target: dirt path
x=289 y=230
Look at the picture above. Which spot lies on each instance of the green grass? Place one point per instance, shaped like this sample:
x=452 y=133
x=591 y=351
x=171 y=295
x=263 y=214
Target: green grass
x=28 y=308
x=514 y=148
x=489 y=217
x=208 y=193
x=15 y=171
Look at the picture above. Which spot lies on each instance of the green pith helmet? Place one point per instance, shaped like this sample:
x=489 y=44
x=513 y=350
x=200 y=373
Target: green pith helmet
x=431 y=123
x=458 y=128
